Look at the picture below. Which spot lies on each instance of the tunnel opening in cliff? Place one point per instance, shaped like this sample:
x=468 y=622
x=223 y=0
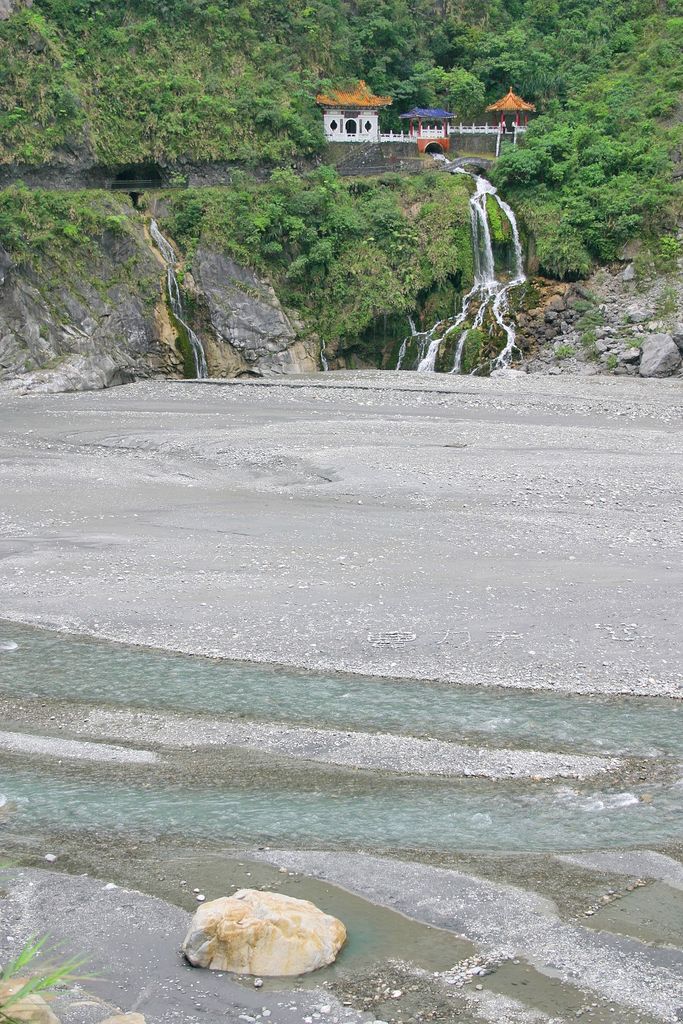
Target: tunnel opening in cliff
x=137 y=178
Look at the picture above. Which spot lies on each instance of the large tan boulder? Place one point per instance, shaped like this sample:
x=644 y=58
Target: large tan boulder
x=33 y=1009
x=265 y=933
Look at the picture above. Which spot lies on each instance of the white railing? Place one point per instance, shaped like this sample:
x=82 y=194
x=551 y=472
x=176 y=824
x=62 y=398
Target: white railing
x=475 y=129
x=485 y=129
x=429 y=133
x=394 y=137
x=434 y=133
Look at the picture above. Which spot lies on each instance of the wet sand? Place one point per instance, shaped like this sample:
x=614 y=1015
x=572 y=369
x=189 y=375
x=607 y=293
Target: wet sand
x=534 y=964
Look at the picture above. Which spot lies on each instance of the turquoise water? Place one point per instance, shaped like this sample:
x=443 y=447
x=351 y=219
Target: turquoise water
x=333 y=808
x=468 y=815
x=50 y=665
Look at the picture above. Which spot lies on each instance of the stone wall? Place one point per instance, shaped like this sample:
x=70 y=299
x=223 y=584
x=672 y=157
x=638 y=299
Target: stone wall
x=376 y=158
x=473 y=145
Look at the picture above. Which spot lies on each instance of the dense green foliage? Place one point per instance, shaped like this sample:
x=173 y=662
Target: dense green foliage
x=87 y=241
x=591 y=176
x=124 y=81
x=341 y=253
x=37 y=224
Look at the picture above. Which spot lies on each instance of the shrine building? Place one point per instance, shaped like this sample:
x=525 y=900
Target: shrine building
x=352 y=116
x=513 y=110
x=429 y=128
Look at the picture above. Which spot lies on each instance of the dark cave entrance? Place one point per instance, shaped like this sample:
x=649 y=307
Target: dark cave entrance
x=136 y=179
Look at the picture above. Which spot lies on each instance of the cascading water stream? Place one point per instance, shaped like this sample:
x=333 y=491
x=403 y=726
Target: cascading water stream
x=175 y=298
x=414 y=333
x=323 y=356
x=489 y=292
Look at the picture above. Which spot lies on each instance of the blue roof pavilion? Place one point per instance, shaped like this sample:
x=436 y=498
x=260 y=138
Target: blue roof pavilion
x=429 y=128
x=428 y=113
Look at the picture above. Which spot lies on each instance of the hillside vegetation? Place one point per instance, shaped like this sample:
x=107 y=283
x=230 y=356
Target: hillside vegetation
x=125 y=81
x=343 y=254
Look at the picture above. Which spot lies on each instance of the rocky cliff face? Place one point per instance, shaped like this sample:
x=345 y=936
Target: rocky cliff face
x=74 y=324
x=89 y=327
x=626 y=320
x=250 y=331
x=8 y=7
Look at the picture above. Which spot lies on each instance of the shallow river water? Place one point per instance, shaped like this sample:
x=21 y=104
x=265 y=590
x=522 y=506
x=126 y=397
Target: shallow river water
x=270 y=799
x=55 y=666
x=471 y=814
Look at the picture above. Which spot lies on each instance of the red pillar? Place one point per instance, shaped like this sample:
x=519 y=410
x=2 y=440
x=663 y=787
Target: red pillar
x=419 y=127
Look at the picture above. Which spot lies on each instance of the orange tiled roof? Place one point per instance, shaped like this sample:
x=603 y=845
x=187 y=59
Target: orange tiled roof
x=360 y=96
x=511 y=102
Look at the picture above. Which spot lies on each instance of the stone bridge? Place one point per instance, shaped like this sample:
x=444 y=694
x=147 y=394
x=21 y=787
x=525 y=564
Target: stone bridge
x=471 y=163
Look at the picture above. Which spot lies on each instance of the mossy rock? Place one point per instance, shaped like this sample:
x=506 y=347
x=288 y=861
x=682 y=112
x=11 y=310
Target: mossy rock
x=183 y=345
x=441 y=302
x=526 y=298
x=501 y=232
x=473 y=350
x=410 y=356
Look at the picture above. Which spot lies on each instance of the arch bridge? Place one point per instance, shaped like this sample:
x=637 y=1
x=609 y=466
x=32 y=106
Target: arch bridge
x=472 y=163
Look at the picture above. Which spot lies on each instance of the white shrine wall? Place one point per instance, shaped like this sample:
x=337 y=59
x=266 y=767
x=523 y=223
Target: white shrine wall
x=339 y=125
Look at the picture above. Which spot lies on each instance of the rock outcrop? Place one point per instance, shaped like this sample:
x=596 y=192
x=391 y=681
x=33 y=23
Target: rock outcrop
x=8 y=7
x=5 y=261
x=616 y=322
x=32 y=1009
x=252 y=332
x=660 y=356
x=83 y=325
x=79 y=331
x=263 y=933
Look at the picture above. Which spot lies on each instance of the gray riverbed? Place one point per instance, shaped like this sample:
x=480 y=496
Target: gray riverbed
x=513 y=541
x=518 y=532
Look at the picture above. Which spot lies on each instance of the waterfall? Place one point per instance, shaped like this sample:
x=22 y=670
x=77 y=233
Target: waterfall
x=323 y=358
x=414 y=333
x=175 y=298
x=488 y=293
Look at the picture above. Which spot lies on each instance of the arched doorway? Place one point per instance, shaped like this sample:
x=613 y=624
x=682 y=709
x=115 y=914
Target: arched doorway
x=434 y=147
x=351 y=127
